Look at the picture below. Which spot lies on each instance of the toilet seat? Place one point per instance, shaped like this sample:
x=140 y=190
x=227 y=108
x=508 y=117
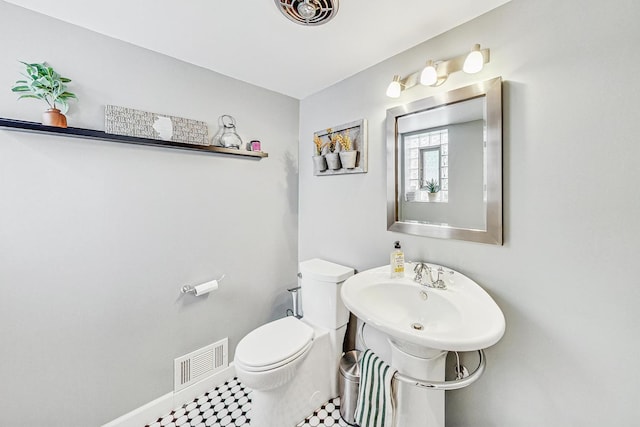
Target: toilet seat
x=273 y=345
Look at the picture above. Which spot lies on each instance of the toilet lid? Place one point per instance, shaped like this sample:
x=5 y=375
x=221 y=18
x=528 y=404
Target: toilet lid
x=274 y=344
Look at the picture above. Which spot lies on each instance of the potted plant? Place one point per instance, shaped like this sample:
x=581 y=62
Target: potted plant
x=43 y=82
x=333 y=156
x=348 y=154
x=432 y=188
x=319 y=162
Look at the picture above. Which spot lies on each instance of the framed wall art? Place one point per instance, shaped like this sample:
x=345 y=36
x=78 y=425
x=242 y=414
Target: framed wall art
x=341 y=149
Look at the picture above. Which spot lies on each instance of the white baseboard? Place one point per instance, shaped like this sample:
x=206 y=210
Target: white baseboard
x=163 y=405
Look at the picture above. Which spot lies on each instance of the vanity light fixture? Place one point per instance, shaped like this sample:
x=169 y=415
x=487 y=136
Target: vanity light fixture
x=395 y=87
x=436 y=73
x=429 y=75
x=474 y=61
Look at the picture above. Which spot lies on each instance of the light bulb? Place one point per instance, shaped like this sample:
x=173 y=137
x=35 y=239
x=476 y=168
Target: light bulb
x=306 y=10
x=474 y=61
x=394 y=89
x=429 y=75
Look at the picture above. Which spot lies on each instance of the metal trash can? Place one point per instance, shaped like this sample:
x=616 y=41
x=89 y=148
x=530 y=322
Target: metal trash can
x=349 y=385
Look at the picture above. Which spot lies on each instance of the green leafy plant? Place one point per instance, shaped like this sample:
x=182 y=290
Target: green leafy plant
x=432 y=186
x=43 y=82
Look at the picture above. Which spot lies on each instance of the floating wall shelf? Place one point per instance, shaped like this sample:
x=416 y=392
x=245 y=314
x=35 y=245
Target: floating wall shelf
x=23 y=126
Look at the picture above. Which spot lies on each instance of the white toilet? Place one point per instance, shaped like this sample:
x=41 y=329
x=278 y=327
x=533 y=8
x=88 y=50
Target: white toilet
x=292 y=364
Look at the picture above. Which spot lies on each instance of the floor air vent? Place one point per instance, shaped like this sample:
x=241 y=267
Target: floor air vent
x=197 y=365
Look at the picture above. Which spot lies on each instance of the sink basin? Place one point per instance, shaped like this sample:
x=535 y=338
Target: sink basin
x=462 y=317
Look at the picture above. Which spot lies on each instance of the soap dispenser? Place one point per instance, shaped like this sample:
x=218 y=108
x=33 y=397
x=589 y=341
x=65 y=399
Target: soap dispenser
x=397 y=261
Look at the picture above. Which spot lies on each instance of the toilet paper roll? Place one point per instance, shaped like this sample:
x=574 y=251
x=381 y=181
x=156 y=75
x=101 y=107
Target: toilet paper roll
x=205 y=288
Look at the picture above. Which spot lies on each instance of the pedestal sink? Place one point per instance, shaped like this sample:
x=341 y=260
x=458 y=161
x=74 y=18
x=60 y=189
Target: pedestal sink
x=422 y=324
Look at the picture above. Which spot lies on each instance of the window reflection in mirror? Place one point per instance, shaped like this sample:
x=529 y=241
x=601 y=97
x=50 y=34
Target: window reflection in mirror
x=425 y=156
x=457 y=130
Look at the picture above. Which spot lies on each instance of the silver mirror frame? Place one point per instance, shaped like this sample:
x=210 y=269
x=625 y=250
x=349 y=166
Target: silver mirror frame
x=492 y=90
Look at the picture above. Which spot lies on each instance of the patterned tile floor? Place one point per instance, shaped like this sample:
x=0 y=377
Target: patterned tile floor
x=229 y=405
x=327 y=415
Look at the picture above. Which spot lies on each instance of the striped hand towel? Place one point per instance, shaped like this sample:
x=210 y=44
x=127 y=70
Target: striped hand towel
x=375 y=398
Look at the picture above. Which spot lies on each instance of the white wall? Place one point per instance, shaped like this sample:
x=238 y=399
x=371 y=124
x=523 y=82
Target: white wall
x=96 y=238
x=566 y=277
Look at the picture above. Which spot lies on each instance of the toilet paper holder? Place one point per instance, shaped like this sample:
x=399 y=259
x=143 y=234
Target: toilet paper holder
x=206 y=287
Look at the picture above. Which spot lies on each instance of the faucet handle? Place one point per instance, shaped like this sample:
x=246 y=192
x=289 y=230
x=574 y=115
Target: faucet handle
x=442 y=270
x=420 y=268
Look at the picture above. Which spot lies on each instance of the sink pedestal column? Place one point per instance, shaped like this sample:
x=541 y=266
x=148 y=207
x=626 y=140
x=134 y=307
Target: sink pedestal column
x=418 y=406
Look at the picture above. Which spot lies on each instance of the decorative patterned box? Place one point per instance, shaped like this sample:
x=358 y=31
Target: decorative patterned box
x=143 y=124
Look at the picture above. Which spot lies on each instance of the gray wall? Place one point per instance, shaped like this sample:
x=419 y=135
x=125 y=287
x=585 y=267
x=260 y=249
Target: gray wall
x=566 y=277
x=96 y=238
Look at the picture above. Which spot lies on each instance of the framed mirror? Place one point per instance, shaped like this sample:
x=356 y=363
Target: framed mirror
x=444 y=165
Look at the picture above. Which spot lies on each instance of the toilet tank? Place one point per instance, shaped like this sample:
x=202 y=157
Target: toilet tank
x=321 y=301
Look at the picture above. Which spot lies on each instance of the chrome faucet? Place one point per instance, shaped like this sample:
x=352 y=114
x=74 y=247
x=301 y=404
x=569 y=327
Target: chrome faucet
x=419 y=269
x=429 y=280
